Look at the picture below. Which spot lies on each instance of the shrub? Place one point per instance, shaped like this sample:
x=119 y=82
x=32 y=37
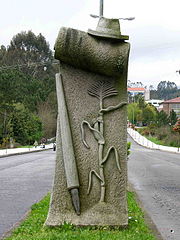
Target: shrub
x=152 y=128
x=146 y=132
x=25 y=127
x=128 y=148
x=163 y=132
x=5 y=143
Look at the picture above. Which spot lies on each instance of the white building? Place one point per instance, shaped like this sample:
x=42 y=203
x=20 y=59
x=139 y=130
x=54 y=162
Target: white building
x=133 y=91
x=155 y=102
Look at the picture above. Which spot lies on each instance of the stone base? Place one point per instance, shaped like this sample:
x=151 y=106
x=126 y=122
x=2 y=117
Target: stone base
x=102 y=214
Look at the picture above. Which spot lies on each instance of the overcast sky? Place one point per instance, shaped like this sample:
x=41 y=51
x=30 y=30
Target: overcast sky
x=154 y=34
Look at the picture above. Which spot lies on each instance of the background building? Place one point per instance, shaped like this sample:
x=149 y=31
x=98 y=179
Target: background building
x=155 y=102
x=133 y=91
x=172 y=104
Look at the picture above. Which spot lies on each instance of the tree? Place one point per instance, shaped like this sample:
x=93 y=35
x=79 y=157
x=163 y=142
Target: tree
x=154 y=94
x=172 y=117
x=134 y=113
x=177 y=129
x=137 y=97
x=26 y=47
x=141 y=102
x=166 y=90
x=22 y=68
x=148 y=114
x=151 y=87
x=5 y=111
x=18 y=87
x=135 y=84
x=24 y=126
x=162 y=118
x=30 y=54
x=23 y=78
x=2 y=53
x=11 y=83
x=47 y=112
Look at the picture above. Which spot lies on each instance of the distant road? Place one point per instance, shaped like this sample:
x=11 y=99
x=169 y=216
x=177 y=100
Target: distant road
x=24 y=180
x=155 y=176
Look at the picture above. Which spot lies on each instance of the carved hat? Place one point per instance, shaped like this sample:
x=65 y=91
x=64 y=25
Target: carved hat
x=108 y=28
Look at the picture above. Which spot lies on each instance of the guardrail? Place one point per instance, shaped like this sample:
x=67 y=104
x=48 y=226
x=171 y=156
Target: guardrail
x=137 y=137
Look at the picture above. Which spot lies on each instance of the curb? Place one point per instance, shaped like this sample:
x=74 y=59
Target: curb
x=152 y=148
x=21 y=153
x=15 y=225
x=8 y=233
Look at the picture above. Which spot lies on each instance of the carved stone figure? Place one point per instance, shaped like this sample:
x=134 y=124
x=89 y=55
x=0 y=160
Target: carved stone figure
x=101 y=90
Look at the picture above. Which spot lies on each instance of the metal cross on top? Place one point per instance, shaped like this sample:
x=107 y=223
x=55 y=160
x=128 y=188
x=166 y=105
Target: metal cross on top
x=101 y=8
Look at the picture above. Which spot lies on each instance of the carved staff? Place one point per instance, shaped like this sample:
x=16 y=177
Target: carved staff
x=67 y=147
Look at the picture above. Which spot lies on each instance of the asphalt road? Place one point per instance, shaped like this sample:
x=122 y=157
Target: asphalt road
x=24 y=180
x=155 y=176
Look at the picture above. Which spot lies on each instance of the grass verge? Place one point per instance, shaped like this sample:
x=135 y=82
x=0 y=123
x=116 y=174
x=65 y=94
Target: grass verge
x=27 y=146
x=155 y=140
x=32 y=228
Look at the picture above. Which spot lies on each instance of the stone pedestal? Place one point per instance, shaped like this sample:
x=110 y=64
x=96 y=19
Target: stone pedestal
x=93 y=78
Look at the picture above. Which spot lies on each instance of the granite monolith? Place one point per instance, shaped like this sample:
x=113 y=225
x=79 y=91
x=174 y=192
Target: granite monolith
x=91 y=159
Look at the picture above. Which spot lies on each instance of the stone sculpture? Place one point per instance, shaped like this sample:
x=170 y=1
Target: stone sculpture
x=91 y=158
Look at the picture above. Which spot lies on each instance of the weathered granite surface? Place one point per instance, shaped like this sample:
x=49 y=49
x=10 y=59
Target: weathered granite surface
x=84 y=51
x=86 y=61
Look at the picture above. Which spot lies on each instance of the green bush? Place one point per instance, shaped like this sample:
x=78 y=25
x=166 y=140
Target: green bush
x=146 y=132
x=163 y=132
x=172 y=141
x=128 y=148
x=24 y=126
x=163 y=135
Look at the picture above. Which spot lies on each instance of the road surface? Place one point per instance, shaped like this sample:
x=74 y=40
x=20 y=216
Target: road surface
x=155 y=176
x=24 y=180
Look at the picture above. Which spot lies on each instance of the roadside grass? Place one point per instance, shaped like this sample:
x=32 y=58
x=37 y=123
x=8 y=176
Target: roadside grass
x=159 y=142
x=32 y=227
x=155 y=140
x=27 y=146
x=163 y=135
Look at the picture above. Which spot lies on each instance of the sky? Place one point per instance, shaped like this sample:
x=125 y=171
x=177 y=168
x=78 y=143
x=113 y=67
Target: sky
x=154 y=35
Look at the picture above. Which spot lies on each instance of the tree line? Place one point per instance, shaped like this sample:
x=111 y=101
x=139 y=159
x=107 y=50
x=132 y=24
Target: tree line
x=27 y=94
x=165 y=90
